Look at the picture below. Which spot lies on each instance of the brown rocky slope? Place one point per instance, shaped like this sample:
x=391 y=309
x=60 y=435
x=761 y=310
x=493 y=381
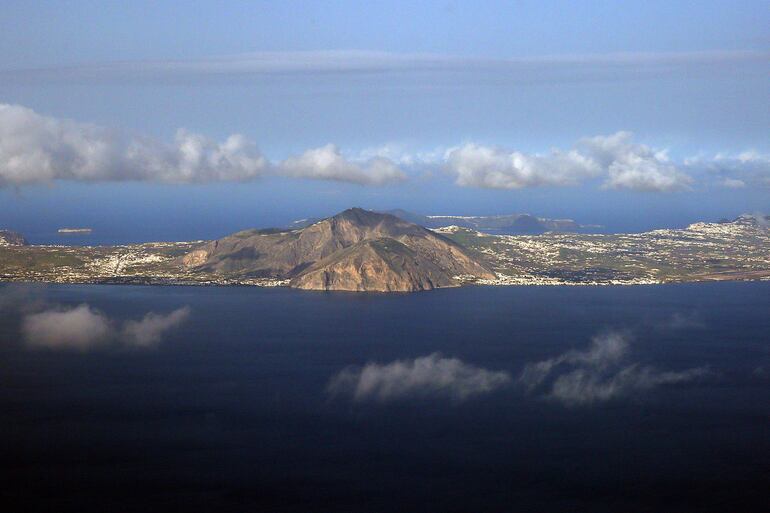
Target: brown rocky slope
x=11 y=238
x=355 y=250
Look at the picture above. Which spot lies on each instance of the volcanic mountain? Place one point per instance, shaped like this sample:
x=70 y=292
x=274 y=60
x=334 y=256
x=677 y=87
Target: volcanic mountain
x=355 y=250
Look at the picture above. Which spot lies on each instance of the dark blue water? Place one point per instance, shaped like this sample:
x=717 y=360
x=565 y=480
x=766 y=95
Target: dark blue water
x=231 y=410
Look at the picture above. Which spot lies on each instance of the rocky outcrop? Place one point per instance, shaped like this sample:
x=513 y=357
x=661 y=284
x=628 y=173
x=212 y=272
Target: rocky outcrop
x=354 y=250
x=379 y=265
x=10 y=238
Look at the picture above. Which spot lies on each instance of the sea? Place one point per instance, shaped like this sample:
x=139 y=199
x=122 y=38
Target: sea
x=475 y=399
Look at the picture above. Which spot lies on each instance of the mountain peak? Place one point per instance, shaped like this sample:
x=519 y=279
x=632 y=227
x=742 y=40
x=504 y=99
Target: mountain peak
x=361 y=216
x=355 y=249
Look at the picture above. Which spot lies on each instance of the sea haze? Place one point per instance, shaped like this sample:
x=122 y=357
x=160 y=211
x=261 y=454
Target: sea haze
x=643 y=398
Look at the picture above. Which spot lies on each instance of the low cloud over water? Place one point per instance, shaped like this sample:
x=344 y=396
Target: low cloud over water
x=84 y=327
x=600 y=373
x=49 y=325
x=426 y=376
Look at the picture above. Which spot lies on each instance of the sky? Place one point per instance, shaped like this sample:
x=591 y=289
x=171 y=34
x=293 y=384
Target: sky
x=190 y=120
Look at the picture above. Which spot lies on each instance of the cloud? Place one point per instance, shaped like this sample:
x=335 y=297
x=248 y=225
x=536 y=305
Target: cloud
x=634 y=166
x=150 y=330
x=623 y=163
x=76 y=328
x=597 y=374
x=41 y=149
x=83 y=328
x=327 y=163
x=585 y=386
x=495 y=168
x=426 y=376
x=527 y=69
x=404 y=156
x=605 y=350
x=37 y=149
x=735 y=171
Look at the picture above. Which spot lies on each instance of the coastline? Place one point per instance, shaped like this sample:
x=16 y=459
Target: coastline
x=510 y=282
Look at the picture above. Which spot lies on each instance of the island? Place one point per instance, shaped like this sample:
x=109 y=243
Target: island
x=362 y=250
x=66 y=231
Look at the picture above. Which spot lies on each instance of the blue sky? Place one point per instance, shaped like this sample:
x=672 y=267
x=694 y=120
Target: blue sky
x=632 y=115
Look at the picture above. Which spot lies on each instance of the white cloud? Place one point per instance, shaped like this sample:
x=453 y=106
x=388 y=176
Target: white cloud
x=328 y=163
x=84 y=327
x=605 y=350
x=634 y=166
x=495 y=168
x=625 y=164
x=196 y=158
x=38 y=149
x=585 y=386
x=599 y=373
x=430 y=375
x=41 y=149
x=150 y=330
x=77 y=328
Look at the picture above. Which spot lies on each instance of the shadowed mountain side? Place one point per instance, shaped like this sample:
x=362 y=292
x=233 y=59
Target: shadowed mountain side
x=291 y=254
x=380 y=265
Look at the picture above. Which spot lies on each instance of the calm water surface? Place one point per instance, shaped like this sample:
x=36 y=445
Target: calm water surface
x=231 y=410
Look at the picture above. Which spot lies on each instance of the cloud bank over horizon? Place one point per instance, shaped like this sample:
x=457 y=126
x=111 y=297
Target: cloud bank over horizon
x=623 y=163
x=38 y=149
x=749 y=168
x=427 y=376
x=598 y=374
x=526 y=68
x=328 y=163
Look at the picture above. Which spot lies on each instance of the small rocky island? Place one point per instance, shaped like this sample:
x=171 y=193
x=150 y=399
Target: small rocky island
x=361 y=250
